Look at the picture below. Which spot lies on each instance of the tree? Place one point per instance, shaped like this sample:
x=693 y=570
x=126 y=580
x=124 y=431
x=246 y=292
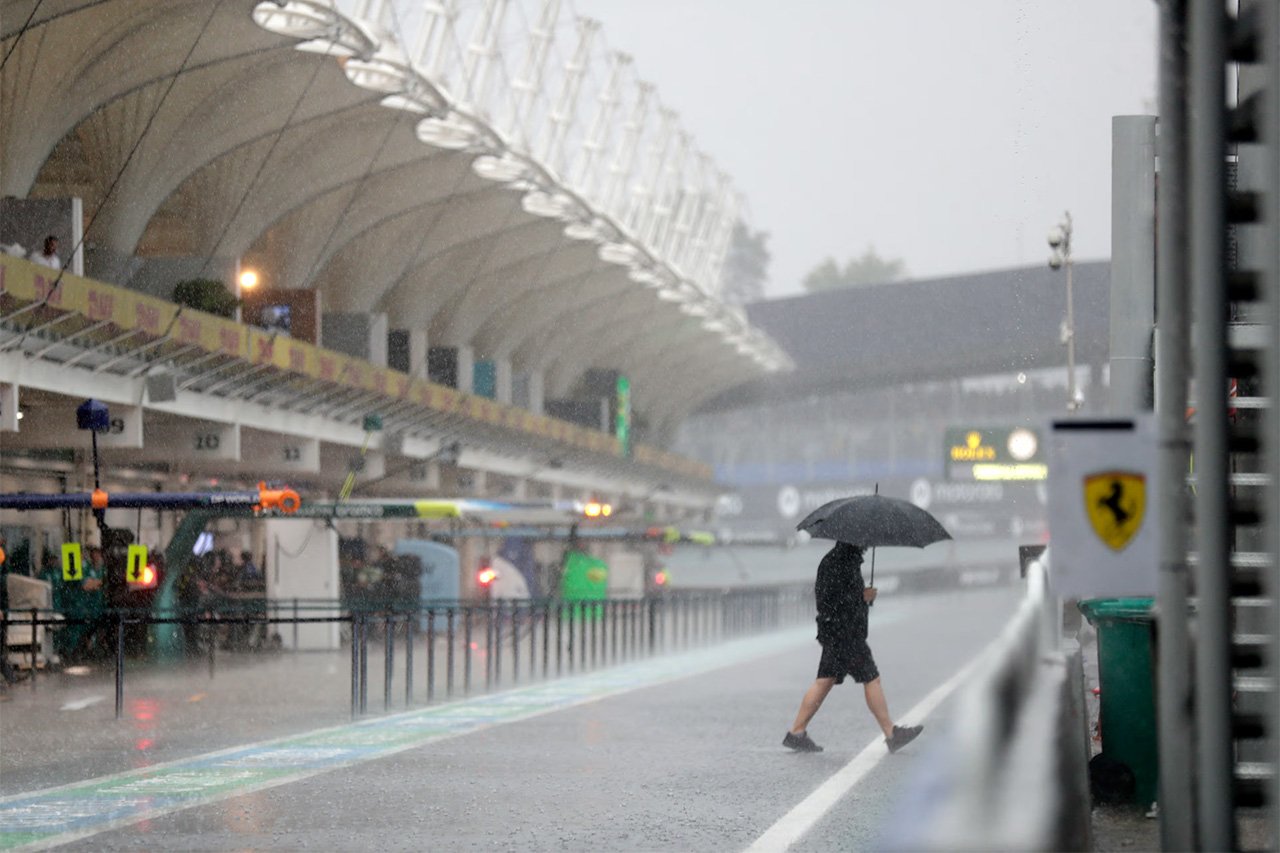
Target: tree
x=206 y=294
x=746 y=266
x=869 y=268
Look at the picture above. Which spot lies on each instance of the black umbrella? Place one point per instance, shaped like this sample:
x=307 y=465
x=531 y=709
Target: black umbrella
x=870 y=521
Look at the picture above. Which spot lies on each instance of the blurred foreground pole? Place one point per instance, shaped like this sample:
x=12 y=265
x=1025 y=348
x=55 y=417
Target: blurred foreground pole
x=1173 y=700
x=1133 y=261
x=1271 y=374
x=1207 y=57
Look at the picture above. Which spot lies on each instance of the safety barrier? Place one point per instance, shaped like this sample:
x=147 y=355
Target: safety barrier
x=1012 y=775
x=511 y=640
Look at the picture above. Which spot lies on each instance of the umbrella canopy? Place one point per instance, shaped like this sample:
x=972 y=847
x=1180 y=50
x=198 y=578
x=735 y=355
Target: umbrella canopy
x=874 y=520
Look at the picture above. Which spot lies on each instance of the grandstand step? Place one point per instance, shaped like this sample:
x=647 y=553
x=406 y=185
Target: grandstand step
x=1246 y=480
x=1248 y=651
x=1244 y=285
x=1248 y=726
x=1252 y=683
x=1239 y=559
x=1247 y=584
x=1252 y=781
x=1244 y=437
x=1243 y=207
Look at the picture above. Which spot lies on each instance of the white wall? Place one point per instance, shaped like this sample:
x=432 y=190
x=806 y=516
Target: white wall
x=302 y=562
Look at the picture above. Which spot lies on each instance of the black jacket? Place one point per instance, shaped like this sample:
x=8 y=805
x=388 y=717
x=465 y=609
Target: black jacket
x=842 y=614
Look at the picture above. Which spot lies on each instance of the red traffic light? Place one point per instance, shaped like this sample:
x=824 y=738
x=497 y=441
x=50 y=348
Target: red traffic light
x=660 y=578
x=486 y=576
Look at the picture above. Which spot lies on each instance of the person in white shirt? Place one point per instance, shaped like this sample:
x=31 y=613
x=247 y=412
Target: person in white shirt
x=49 y=257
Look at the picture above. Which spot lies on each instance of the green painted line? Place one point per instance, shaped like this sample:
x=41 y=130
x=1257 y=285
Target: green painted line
x=51 y=816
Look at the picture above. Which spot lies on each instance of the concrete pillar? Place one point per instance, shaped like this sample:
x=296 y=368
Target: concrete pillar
x=502 y=380
x=537 y=391
x=418 y=353
x=1133 y=261
x=466 y=369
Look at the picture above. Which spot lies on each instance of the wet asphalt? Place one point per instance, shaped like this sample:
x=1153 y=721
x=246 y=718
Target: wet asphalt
x=690 y=764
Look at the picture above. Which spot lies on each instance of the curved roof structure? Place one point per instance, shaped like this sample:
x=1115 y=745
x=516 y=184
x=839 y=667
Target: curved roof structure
x=492 y=176
x=1003 y=321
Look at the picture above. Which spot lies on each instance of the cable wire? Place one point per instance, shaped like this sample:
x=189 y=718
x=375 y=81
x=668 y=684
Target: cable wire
x=84 y=236
x=22 y=32
x=262 y=166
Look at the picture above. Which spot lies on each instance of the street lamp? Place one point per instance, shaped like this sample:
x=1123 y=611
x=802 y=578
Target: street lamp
x=1060 y=243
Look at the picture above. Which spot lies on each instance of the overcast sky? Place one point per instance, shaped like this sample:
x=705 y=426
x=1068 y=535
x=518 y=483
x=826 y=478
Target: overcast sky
x=951 y=134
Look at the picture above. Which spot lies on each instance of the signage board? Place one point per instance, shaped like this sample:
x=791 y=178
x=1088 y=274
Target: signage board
x=994 y=454
x=622 y=415
x=1102 y=518
x=72 y=562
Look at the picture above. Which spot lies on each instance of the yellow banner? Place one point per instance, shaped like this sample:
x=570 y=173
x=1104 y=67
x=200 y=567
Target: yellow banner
x=28 y=282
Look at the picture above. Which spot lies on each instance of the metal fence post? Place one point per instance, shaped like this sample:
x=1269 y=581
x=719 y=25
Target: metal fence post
x=119 y=666
x=364 y=664
x=495 y=652
x=35 y=642
x=410 y=623
x=1172 y=367
x=653 y=624
x=431 y=654
x=515 y=642
x=546 y=637
x=295 y=624
x=388 y=659
x=466 y=650
x=355 y=667
x=1207 y=30
x=488 y=646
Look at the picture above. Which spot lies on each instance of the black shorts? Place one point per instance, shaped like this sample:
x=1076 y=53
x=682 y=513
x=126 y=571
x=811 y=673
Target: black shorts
x=851 y=658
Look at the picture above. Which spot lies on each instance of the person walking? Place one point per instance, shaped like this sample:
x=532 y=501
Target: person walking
x=843 y=601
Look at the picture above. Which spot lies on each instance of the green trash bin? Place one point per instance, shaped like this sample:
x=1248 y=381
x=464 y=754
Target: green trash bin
x=1127 y=680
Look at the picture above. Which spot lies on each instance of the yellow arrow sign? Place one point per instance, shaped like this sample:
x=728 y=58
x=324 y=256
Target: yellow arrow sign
x=135 y=568
x=72 y=562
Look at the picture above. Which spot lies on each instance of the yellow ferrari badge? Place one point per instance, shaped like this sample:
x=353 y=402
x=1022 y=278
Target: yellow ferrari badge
x=1115 y=502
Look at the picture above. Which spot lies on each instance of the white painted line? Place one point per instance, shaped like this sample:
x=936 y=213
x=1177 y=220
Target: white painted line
x=795 y=823
x=81 y=704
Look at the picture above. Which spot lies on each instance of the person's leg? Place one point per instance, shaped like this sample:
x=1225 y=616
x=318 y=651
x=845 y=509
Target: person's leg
x=811 y=702
x=878 y=705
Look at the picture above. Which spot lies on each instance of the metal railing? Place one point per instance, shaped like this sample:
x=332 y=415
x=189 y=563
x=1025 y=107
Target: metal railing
x=456 y=648
x=1013 y=773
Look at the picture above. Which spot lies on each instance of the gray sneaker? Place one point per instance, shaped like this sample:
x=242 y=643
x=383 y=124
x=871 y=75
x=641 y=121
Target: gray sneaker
x=800 y=742
x=902 y=735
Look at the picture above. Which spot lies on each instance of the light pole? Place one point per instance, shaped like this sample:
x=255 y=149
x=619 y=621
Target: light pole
x=1060 y=243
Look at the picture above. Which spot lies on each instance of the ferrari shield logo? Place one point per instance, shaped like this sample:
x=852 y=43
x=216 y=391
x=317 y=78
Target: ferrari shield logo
x=1115 y=503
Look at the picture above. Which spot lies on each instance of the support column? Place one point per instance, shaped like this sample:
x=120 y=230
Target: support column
x=1133 y=262
x=466 y=369
x=502 y=380
x=537 y=391
x=418 y=347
